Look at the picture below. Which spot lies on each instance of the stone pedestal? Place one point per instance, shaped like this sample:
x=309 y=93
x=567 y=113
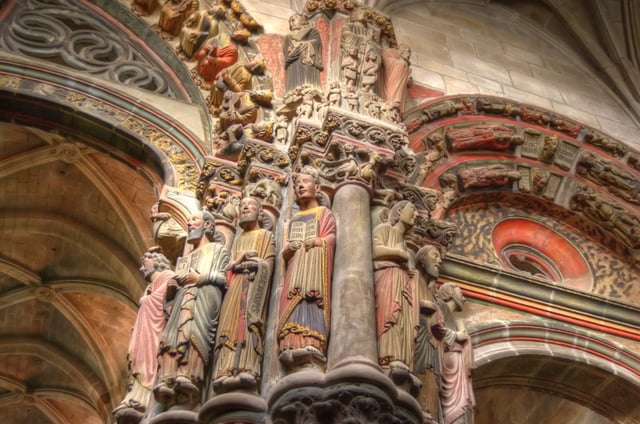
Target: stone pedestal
x=175 y=417
x=233 y=408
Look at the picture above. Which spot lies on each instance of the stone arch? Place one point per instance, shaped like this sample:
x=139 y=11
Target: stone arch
x=478 y=148
x=531 y=360
x=103 y=118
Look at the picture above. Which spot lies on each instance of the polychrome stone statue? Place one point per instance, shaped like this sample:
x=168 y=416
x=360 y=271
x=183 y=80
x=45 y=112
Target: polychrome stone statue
x=456 y=391
x=308 y=253
x=240 y=336
x=145 y=336
x=185 y=345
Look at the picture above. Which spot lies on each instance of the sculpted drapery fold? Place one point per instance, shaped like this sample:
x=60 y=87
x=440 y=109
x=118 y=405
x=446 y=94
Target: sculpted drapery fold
x=240 y=336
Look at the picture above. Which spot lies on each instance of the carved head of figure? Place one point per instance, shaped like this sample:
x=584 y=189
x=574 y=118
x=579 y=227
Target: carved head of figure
x=250 y=213
x=153 y=262
x=549 y=147
x=429 y=260
x=405 y=51
x=201 y=224
x=359 y=14
x=307 y=185
x=405 y=212
x=539 y=180
x=241 y=35
x=296 y=22
x=256 y=65
x=451 y=292
x=218 y=12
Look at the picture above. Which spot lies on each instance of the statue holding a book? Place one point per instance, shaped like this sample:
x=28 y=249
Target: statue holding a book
x=304 y=304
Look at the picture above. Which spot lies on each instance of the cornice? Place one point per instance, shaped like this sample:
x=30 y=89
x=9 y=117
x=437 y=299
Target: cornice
x=541 y=298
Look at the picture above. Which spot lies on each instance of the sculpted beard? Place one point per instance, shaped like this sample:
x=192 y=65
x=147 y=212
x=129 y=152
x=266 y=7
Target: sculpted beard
x=196 y=234
x=147 y=272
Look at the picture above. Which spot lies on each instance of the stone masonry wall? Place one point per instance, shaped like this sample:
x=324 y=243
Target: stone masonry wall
x=466 y=49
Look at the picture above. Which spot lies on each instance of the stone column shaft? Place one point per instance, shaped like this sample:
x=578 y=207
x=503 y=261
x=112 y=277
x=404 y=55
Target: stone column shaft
x=353 y=324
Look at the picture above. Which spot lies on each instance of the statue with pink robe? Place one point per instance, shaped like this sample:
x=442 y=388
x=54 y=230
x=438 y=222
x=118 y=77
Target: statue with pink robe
x=396 y=68
x=456 y=390
x=395 y=292
x=145 y=336
x=304 y=324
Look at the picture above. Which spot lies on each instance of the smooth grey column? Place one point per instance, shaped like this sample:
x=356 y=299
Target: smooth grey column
x=353 y=319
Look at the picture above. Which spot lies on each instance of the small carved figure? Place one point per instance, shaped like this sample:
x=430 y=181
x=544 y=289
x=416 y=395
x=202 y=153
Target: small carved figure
x=495 y=107
x=241 y=109
x=302 y=53
x=281 y=130
x=357 y=40
x=535 y=116
x=565 y=126
x=267 y=191
x=304 y=323
x=608 y=215
x=619 y=182
x=440 y=110
x=145 y=336
x=488 y=176
x=237 y=77
x=144 y=7
x=167 y=233
x=539 y=180
x=396 y=63
x=391 y=112
x=174 y=13
x=426 y=363
x=549 y=146
x=374 y=108
x=185 y=345
x=634 y=161
x=610 y=146
x=406 y=160
x=483 y=136
x=334 y=97
x=352 y=100
x=456 y=392
x=240 y=336
x=448 y=193
x=305 y=109
x=217 y=53
x=395 y=292
x=370 y=69
x=197 y=28
x=436 y=149
x=350 y=64
x=338 y=164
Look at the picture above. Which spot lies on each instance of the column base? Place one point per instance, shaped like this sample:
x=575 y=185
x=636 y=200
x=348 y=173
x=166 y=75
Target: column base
x=355 y=391
x=175 y=417
x=234 y=407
